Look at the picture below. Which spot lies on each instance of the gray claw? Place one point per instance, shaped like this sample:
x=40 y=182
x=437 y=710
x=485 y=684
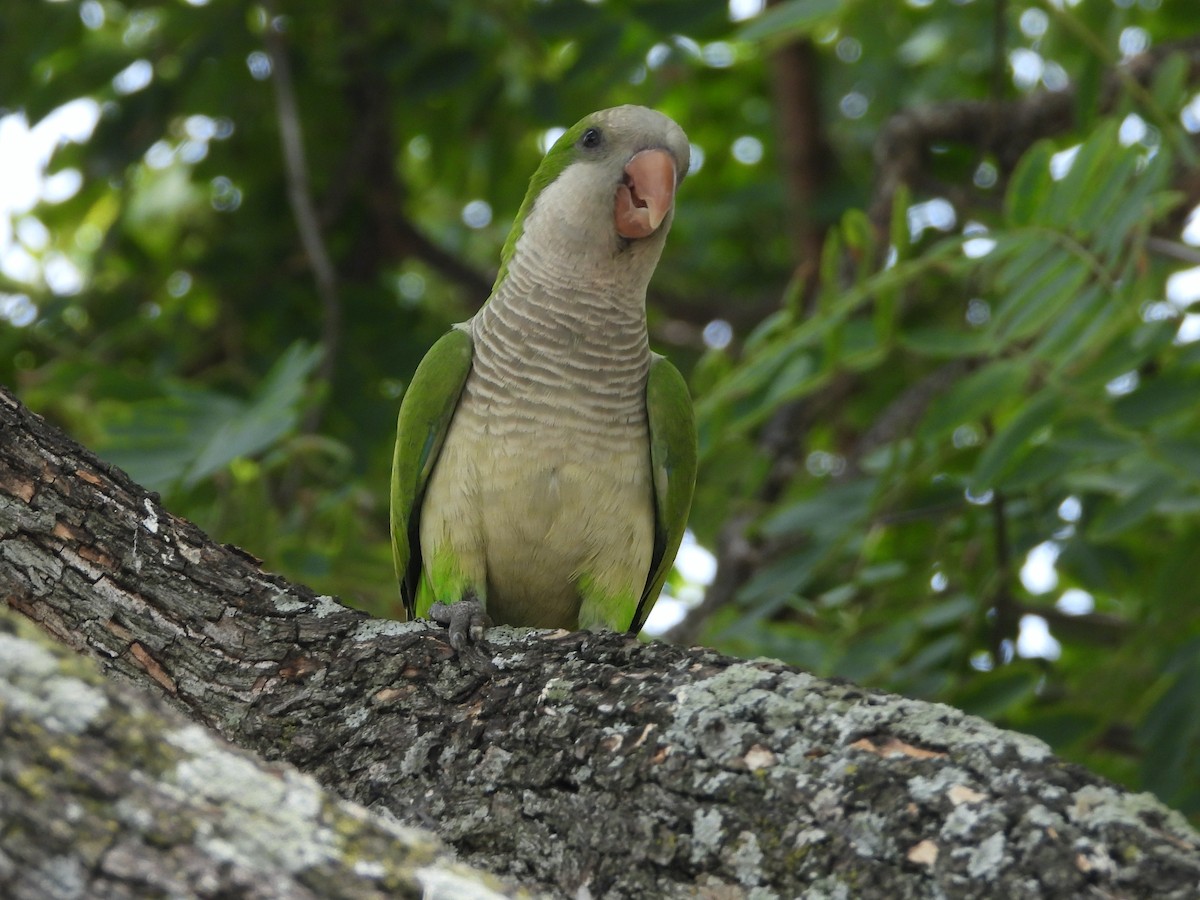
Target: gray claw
x=466 y=620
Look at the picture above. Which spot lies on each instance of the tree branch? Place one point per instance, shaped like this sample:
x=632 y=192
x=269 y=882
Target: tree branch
x=291 y=137
x=587 y=762
x=903 y=145
x=1006 y=621
x=803 y=152
x=107 y=792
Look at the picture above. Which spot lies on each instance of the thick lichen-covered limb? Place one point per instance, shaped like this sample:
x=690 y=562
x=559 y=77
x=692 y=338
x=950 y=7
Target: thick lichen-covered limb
x=104 y=792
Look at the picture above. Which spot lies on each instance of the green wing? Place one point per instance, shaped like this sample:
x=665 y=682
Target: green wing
x=673 y=464
x=425 y=414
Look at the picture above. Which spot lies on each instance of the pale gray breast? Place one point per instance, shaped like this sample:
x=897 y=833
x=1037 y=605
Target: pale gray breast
x=570 y=374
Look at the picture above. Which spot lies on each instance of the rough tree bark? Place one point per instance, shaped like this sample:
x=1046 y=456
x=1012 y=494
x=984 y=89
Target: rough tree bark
x=587 y=764
x=107 y=792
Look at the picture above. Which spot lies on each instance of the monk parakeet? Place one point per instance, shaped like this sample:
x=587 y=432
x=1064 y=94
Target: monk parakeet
x=545 y=458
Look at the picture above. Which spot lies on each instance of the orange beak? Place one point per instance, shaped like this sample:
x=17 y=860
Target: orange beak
x=645 y=196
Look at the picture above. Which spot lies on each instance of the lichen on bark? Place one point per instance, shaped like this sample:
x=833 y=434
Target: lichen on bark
x=106 y=793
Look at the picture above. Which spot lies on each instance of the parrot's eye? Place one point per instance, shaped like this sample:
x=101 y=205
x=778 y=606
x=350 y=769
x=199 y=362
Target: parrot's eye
x=591 y=139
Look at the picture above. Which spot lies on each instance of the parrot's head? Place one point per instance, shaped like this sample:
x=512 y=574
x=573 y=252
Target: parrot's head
x=603 y=198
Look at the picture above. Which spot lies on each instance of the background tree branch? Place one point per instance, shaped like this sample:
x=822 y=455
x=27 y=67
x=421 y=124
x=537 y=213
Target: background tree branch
x=589 y=761
x=902 y=149
x=299 y=191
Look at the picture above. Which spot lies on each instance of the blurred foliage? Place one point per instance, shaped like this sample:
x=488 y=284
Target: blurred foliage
x=999 y=375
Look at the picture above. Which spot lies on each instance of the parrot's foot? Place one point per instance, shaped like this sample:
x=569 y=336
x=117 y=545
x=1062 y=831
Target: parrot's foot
x=466 y=621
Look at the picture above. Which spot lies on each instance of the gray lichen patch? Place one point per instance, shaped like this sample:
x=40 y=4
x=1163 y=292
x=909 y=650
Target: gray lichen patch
x=987 y=859
x=279 y=819
x=448 y=883
x=929 y=788
x=870 y=835
x=707 y=833
x=288 y=604
x=747 y=859
x=119 y=797
x=326 y=606
x=32 y=684
x=61 y=877
x=41 y=570
x=737 y=685
x=268 y=820
x=23 y=659
x=371 y=629
x=1100 y=804
x=870 y=776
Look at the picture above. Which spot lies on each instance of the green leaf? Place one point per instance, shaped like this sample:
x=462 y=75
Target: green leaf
x=999 y=693
x=940 y=342
x=975 y=396
x=552 y=20
x=1078 y=186
x=873 y=652
x=1169 y=87
x=682 y=16
x=1169 y=395
x=1061 y=729
x=441 y=72
x=1042 y=465
x=1030 y=184
x=898 y=235
x=1093 y=442
x=1024 y=312
x=155 y=439
x=1060 y=342
x=949 y=612
x=826 y=515
x=1023 y=256
x=1169 y=735
x=183 y=435
x=1012 y=443
x=1140 y=206
x=936 y=654
x=272 y=413
x=788 y=19
x=776 y=583
x=1126 y=511
x=794 y=379
x=1184 y=454
x=1099 y=208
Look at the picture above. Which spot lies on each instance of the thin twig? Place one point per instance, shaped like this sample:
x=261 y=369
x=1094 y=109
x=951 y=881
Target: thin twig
x=291 y=137
x=1005 y=625
x=1174 y=250
x=803 y=155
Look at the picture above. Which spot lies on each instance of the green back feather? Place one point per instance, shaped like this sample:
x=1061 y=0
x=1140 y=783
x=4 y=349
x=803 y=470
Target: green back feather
x=425 y=415
x=673 y=461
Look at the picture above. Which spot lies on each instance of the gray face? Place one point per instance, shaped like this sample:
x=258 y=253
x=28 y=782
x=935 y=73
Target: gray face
x=616 y=134
x=575 y=213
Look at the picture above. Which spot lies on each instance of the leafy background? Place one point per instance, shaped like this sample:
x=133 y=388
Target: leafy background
x=930 y=278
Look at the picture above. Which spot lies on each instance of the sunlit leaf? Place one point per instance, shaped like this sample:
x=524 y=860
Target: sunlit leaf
x=788 y=18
